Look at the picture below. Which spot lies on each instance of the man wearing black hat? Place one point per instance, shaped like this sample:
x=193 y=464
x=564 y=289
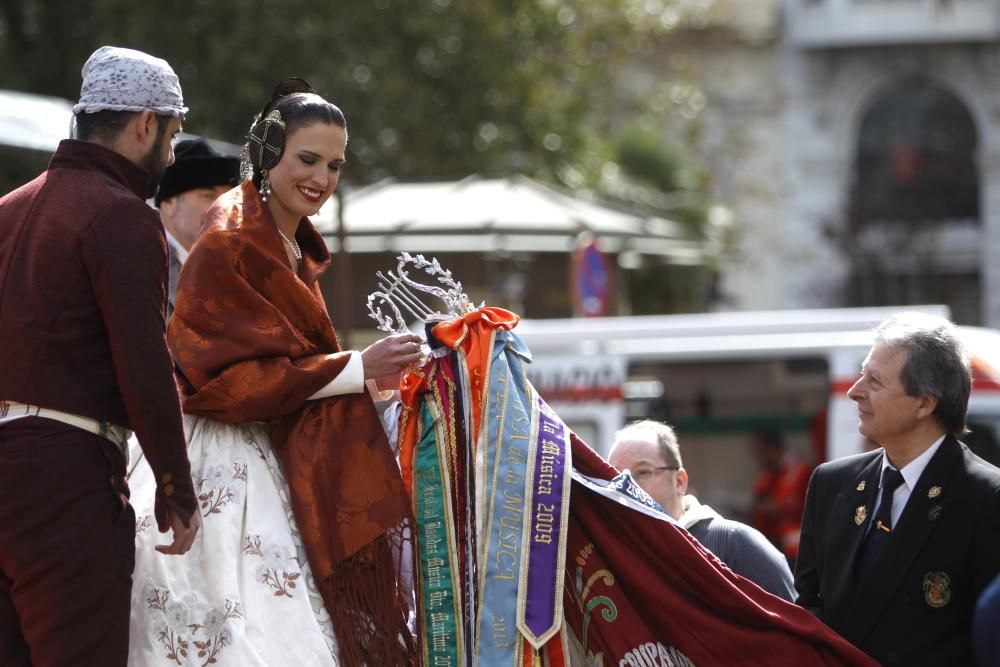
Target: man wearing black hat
x=190 y=185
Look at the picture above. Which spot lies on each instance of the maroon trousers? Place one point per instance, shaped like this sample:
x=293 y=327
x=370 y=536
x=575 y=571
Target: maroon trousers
x=67 y=547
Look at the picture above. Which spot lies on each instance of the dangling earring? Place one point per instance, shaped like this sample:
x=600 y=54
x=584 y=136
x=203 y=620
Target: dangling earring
x=265 y=186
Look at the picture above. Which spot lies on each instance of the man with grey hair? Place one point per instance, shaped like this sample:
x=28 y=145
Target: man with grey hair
x=897 y=543
x=83 y=269
x=649 y=451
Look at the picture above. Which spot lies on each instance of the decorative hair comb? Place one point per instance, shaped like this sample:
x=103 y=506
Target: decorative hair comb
x=400 y=293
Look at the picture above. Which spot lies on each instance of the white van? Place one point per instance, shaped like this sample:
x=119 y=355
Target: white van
x=718 y=377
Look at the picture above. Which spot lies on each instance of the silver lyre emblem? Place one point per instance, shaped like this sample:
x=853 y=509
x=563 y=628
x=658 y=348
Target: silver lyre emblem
x=399 y=293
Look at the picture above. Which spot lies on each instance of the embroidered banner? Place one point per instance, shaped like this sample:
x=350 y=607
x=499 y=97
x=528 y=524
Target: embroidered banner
x=640 y=590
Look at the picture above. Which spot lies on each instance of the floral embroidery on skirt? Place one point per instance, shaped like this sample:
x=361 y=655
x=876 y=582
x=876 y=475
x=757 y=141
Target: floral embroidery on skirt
x=244 y=594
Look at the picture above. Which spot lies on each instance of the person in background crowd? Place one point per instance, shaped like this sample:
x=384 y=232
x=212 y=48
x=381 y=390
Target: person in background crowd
x=986 y=628
x=83 y=359
x=649 y=450
x=898 y=543
x=779 y=492
x=189 y=187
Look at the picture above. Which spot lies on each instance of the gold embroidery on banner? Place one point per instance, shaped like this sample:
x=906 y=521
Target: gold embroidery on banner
x=500 y=627
x=531 y=486
x=581 y=594
x=522 y=584
x=446 y=436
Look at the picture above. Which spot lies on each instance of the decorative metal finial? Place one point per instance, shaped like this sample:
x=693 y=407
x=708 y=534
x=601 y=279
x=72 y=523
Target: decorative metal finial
x=398 y=292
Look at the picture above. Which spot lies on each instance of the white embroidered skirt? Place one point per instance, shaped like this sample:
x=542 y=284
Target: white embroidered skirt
x=244 y=594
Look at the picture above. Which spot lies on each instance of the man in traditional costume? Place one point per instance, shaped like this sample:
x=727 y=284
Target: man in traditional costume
x=189 y=187
x=83 y=269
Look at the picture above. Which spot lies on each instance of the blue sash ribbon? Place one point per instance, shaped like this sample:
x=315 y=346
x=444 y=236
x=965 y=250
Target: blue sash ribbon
x=506 y=442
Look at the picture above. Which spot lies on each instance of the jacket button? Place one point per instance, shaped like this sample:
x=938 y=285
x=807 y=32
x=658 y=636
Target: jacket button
x=168 y=490
x=167 y=477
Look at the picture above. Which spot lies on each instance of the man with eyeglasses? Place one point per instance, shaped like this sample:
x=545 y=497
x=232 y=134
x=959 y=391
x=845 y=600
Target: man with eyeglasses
x=649 y=451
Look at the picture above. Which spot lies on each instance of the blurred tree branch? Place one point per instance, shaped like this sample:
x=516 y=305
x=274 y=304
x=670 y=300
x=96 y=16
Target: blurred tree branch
x=433 y=89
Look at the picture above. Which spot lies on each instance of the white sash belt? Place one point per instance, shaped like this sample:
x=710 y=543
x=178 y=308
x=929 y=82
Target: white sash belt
x=119 y=435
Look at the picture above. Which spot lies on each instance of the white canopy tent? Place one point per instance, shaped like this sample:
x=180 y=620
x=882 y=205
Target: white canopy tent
x=514 y=214
x=40 y=122
x=35 y=122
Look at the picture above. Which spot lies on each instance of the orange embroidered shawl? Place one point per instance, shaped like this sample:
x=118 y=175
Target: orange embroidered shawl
x=254 y=341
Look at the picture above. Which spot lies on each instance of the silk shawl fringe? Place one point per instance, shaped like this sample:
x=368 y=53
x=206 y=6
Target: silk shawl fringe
x=367 y=610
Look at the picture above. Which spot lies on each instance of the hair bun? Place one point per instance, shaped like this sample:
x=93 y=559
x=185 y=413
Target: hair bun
x=290 y=86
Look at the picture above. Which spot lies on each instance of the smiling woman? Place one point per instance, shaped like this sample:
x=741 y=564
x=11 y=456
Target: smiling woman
x=291 y=464
x=303 y=181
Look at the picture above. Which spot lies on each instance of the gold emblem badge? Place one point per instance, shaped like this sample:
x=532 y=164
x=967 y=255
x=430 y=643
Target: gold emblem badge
x=937 y=589
x=934 y=492
x=860 y=515
x=861 y=486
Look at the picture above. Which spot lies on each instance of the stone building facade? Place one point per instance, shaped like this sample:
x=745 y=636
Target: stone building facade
x=857 y=143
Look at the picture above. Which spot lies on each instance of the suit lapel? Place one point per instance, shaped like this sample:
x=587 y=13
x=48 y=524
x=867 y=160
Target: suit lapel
x=923 y=512
x=851 y=524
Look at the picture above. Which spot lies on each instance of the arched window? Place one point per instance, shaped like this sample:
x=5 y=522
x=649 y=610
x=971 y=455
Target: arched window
x=912 y=233
x=916 y=157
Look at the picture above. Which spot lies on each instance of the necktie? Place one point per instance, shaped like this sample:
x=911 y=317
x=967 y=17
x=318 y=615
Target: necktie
x=881 y=526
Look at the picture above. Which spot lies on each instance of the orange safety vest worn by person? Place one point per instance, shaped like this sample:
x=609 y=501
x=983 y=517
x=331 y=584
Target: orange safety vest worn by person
x=779 y=493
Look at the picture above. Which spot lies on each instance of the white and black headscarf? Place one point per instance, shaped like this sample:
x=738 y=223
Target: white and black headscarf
x=118 y=79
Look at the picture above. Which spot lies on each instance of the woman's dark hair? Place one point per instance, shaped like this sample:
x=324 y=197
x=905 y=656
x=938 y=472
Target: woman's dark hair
x=297 y=105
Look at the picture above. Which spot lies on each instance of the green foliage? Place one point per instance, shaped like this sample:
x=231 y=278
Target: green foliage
x=433 y=89
x=659 y=288
x=643 y=172
x=647 y=159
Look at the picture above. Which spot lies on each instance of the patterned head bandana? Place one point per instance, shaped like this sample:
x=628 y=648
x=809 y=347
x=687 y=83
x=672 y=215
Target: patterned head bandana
x=117 y=79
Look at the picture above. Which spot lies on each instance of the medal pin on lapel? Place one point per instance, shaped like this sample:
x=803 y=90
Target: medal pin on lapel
x=860 y=515
x=937 y=589
x=861 y=486
x=934 y=492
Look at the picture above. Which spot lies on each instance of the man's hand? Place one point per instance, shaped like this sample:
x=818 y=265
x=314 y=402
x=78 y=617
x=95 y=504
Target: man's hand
x=183 y=535
x=391 y=355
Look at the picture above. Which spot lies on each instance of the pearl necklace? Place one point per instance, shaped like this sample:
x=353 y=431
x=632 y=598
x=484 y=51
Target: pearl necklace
x=293 y=244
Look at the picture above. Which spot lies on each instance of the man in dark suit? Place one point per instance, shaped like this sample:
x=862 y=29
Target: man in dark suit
x=898 y=543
